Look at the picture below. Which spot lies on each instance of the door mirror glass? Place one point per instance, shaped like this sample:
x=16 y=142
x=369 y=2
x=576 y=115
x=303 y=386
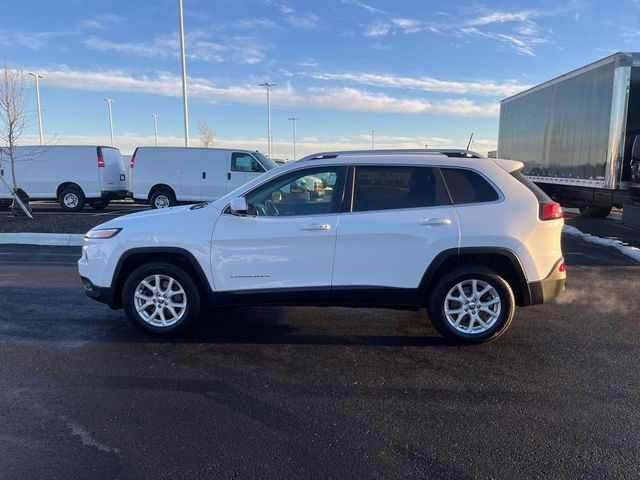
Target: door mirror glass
x=238 y=206
x=635 y=151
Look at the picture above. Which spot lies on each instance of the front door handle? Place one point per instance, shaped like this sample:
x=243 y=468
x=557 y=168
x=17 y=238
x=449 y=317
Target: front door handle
x=228 y=175
x=435 y=222
x=323 y=226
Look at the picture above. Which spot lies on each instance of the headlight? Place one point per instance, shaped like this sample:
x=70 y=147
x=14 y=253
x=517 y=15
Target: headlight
x=102 y=233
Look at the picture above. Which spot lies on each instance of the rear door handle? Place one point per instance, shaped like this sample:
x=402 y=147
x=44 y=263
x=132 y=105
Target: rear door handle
x=323 y=226
x=204 y=175
x=435 y=222
x=228 y=175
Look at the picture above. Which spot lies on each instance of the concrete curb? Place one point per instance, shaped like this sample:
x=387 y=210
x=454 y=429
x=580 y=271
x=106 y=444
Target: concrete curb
x=54 y=239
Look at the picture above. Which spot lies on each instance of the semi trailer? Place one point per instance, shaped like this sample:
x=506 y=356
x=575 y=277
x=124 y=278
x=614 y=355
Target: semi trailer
x=579 y=134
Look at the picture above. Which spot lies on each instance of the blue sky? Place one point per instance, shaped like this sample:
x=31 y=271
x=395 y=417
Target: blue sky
x=416 y=72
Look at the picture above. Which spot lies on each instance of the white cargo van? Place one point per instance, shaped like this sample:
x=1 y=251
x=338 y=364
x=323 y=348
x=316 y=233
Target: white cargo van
x=73 y=175
x=164 y=176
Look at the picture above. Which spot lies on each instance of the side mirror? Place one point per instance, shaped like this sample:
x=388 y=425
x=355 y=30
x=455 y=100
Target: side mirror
x=238 y=206
x=635 y=150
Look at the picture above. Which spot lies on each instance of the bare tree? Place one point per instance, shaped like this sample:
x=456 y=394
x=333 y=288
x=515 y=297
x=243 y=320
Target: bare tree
x=207 y=136
x=13 y=101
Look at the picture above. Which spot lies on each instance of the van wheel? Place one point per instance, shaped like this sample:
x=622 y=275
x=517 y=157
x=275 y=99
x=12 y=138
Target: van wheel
x=100 y=204
x=72 y=199
x=162 y=199
x=161 y=298
x=595 y=212
x=472 y=305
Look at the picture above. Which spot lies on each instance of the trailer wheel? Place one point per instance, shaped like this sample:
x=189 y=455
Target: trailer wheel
x=595 y=212
x=72 y=199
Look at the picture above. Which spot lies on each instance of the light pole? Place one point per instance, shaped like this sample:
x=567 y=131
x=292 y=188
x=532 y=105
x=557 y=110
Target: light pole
x=268 y=86
x=184 y=77
x=294 y=120
x=37 y=76
x=155 y=126
x=109 y=102
x=373 y=139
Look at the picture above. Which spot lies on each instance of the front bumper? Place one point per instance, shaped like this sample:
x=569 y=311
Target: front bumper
x=550 y=287
x=99 y=294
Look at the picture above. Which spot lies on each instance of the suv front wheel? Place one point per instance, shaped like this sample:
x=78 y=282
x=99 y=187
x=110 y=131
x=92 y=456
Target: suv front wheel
x=161 y=298
x=472 y=305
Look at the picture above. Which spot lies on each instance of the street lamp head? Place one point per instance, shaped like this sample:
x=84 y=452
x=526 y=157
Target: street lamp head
x=35 y=74
x=268 y=84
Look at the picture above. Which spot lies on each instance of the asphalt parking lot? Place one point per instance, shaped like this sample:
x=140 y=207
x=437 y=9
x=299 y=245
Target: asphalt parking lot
x=317 y=393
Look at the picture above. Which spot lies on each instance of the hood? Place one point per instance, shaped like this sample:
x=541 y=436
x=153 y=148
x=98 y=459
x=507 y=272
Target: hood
x=162 y=214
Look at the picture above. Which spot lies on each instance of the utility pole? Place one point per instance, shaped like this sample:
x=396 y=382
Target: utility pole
x=373 y=139
x=109 y=102
x=268 y=86
x=184 y=77
x=294 y=120
x=155 y=126
x=37 y=76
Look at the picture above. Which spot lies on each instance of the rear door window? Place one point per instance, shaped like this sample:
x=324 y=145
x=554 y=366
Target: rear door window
x=390 y=187
x=467 y=186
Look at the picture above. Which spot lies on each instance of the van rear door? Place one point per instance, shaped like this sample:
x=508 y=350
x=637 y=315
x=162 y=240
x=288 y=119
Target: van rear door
x=111 y=169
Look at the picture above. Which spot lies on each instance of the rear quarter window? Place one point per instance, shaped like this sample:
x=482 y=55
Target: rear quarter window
x=466 y=186
x=536 y=190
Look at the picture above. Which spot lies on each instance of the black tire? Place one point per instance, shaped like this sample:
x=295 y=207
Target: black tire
x=595 y=212
x=99 y=204
x=162 y=198
x=187 y=317
x=438 y=299
x=72 y=199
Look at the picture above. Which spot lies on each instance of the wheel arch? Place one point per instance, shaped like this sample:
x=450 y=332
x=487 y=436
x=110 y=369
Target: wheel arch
x=132 y=259
x=160 y=186
x=64 y=185
x=501 y=260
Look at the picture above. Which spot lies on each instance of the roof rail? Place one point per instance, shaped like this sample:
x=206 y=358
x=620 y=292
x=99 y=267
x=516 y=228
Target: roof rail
x=447 y=152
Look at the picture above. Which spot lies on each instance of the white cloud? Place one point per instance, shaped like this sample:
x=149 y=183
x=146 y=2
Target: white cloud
x=363 y=5
x=377 y=29
x=409 y=25
x=199 y=46
x=30 y=40
x=476 y=87
x=303 y=20
x=523 y=44
x=329 y=98
x=102 y=21
x=503 y=17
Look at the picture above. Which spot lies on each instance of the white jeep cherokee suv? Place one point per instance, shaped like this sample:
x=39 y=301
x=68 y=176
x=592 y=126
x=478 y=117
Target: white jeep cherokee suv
x=464 y=236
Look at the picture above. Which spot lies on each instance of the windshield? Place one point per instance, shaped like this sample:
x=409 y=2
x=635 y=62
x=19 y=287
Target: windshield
x=266 y=162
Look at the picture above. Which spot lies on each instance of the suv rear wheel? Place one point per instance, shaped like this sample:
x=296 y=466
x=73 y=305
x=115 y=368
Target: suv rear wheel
x=472 y=305
x=161 y=298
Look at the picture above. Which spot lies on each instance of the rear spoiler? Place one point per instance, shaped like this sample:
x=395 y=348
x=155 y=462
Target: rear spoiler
x=508 y=165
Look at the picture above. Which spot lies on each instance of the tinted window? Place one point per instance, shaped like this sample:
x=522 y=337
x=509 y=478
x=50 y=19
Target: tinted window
x=536 y=190
x=243 y=162
x=386 y=188
x=467 y=186
x=312 y=191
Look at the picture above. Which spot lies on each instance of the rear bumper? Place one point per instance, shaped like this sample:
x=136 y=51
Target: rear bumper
x=550 y=287
x=99 y=294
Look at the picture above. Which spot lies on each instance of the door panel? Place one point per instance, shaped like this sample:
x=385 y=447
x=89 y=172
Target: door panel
x=288 y=239
x=273 y=252
x=243 y=168
x=190 y=174
x=392 y=248
x=215 y=164
x=401 y=219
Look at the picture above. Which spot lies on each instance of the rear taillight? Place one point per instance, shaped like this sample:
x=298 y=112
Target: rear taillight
x=562 y=267
x=100 y=161
x=550 y=211
x=133 y=160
